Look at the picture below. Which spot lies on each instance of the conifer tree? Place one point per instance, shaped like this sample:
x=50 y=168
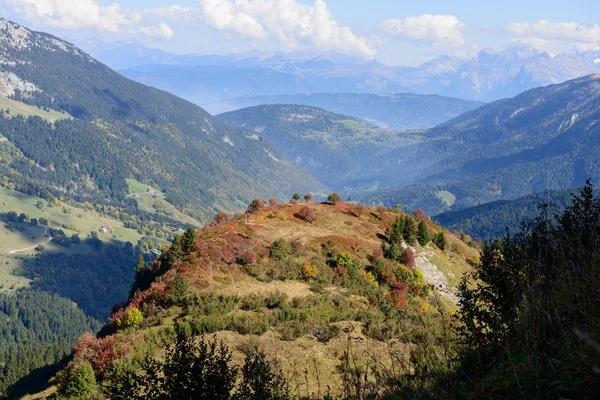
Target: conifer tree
x=396 y=231
x=189 y=240
x=423 y=233
x=440 y=240
x=410 y=231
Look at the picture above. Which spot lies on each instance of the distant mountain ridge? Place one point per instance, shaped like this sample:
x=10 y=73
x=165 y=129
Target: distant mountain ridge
x=487 y=76
x=400 y=111
x=545 y=138
x=342 y=152
x=120 y=129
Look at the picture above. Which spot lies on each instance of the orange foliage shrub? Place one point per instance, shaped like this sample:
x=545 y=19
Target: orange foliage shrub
x=306 y=214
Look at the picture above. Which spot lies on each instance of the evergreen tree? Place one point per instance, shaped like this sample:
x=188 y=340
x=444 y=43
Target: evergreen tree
x=423 y=233
x=410 y=231
x=440 y=240
x=189 y=240
x=396 y=231
x=81 y=383
x=296 y=197
x=259 y=382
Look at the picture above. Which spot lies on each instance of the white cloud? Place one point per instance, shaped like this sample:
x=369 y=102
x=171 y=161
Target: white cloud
x=562 y=31
x=81 y=14
x=556 y=37
x=161 y=31
x=437 y=30
x=287 y=22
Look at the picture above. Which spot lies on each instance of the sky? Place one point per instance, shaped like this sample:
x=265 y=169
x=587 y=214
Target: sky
x=395 y=32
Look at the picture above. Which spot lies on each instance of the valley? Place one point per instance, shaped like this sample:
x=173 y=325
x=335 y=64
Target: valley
x=329 y=227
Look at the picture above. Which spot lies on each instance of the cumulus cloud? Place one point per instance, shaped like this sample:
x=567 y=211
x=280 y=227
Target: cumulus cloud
x=81 y=14
x=436 y=30
x=556 y=37
x=287 y=22
x=563 y=31
x=161 y=31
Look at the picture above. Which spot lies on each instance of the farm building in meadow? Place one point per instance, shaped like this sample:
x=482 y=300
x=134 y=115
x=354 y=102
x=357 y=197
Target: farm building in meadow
x=105 y=229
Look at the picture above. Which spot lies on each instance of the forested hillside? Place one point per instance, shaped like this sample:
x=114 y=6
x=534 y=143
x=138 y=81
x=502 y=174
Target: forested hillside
x=122 y=129
x=397 y=111
x=340 y=151
x=36 y=329
x=491 y=220
x=545 y=138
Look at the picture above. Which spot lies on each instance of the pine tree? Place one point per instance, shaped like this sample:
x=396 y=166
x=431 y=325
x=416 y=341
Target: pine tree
x=189 y=240
x=410 y=231
x=423 y=234
x=440 y=240
x=396 y=231
x=141 y=265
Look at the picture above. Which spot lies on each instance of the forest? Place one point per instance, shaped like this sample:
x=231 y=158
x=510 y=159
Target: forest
x=37 y=329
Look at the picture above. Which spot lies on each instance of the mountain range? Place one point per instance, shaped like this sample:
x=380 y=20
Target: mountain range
x=542 y=139
x=113 y=129
x=487 y=76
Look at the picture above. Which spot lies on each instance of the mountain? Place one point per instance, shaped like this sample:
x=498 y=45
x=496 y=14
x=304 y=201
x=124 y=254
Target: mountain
x=338 y=150
x=489 y=75
x=400 y=111
x=491 y=220
x=545 y=138
x=114 y=129
x=272 y=283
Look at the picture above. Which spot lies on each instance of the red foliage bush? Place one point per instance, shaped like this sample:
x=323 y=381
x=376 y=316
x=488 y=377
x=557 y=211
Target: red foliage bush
x=356 y=210
x=420 y=214
x=255 y=206
x=408 y=258
x=220 y=218
x=377 y=255
x=248 y=257
x=397 y=297
x=100 y=352
x=273 y=202
x=306 y=214
x=342 y=272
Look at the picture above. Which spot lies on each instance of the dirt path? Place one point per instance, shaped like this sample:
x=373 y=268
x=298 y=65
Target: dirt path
x=28 y=248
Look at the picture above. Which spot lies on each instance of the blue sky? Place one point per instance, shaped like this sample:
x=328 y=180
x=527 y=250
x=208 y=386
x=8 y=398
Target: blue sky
x=395 y=32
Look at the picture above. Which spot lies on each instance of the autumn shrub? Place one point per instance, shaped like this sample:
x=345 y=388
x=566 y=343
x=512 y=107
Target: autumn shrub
x=292 y=330
x=100 y=353
x=275 y=299
x=220 y=218
x=307 y=197
x=309 y=271
x=280 y=250
x=211 y=303
x=252 y=302
x=324 y=332
x=255 y=206
x=131 y=318
x=408 y=258
x=255 y=324
x=273 y=202
x=248 y=257
x=306 y=214
x=356 y=210
x=334 y=198
x=205 y=324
